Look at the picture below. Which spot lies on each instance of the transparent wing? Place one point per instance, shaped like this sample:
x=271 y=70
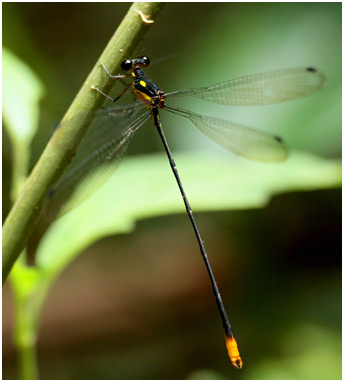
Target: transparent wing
x=260 y=89
x=241 y=140
x=97 y=158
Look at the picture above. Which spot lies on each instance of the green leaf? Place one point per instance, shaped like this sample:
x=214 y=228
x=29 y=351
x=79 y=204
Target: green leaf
x=145 y=187
x=21 y=90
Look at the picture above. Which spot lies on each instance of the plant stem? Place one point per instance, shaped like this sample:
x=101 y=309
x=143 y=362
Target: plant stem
x=61 y=148
x=26 y=288
x=26 y=341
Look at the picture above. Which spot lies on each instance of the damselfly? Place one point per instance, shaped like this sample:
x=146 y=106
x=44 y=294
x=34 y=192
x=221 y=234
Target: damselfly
x=106 y=142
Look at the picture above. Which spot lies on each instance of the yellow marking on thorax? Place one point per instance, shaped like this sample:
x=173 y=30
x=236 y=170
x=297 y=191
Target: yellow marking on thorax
x=142 y=83
x=143 y=97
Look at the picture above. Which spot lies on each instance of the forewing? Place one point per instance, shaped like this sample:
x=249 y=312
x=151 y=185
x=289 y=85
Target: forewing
x=260 y=89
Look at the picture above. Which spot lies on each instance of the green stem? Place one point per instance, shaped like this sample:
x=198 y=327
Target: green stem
x=26 y=291
x=61 y=148
x=27 y=364
x=26 y=339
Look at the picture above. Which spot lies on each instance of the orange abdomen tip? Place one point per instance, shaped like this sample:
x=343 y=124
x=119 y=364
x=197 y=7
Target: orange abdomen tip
x=233 y=352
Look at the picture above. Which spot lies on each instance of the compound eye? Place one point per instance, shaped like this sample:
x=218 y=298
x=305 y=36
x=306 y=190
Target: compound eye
x=146 y=60
x=126 y=65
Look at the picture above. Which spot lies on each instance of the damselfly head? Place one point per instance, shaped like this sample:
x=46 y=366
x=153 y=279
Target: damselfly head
x=131 y=64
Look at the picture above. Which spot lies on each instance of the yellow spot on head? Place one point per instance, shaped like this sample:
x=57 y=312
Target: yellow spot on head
x=233 y=352
x=142 y=83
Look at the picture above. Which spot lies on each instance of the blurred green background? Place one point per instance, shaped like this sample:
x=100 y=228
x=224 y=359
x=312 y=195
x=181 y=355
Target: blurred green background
x=139 y=306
